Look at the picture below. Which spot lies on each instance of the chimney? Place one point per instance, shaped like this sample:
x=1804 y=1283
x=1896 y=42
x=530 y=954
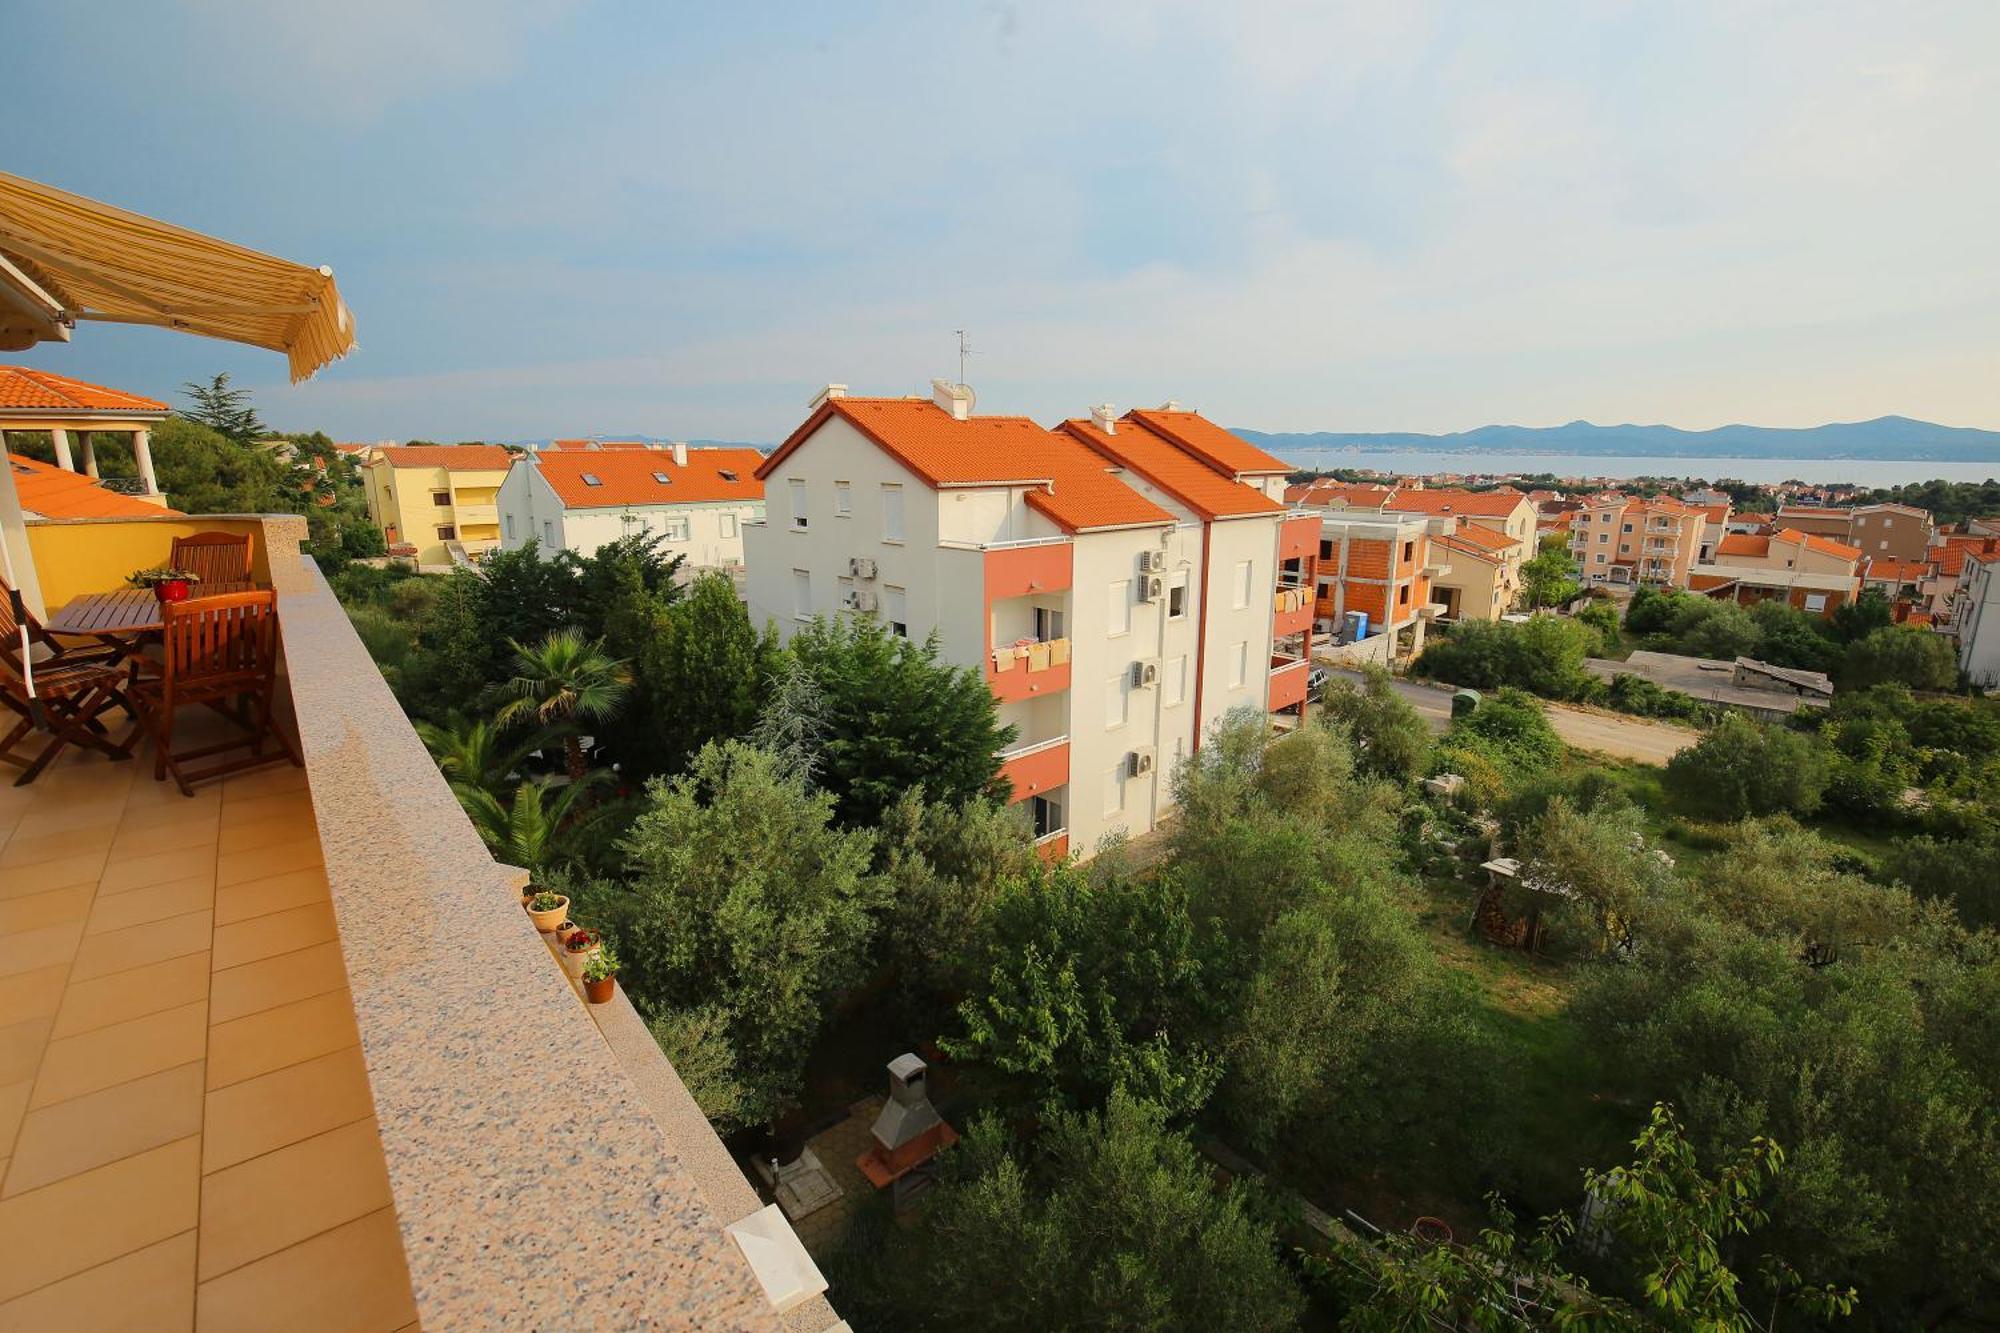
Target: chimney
x=680 y=453
x=953 y=398
x=1171 y=405
x=830 y=391
x=1104 y=417
x=909 y=1113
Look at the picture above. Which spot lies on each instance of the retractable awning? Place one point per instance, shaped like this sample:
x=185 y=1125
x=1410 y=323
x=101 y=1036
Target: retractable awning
x=65 y=258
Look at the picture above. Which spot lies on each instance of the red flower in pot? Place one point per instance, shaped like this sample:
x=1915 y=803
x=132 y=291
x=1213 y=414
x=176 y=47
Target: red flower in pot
x=168 y=584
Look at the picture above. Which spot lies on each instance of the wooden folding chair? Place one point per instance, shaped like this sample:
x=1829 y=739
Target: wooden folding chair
x=216 y=557
x=218 y=651
x=70 y=690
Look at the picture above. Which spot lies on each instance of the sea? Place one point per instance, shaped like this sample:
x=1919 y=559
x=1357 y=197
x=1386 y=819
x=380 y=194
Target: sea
x=1871 y=472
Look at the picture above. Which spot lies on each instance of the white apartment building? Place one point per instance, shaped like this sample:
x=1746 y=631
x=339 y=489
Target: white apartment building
x=1975 y=618
x=696 y=500
x=1117 y=579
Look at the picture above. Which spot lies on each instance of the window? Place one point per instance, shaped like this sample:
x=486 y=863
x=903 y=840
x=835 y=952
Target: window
x=1048 y=624
x=1176 y=684
x=446 y=532
x=1114 y=700
x=1403 y=595
x=1628 y=527
x=802 y=594
x=1114 y=787
x=549 y=533
x=1177 y=596
x=798 y=491
x=729 y=522
x=896 y=601
x=1118 y=610
x=1815 y=601
x=1600 y=557
x=1885 y=545
x=1242 y=586
x=677 y=528
x=592 y=479
x=1239 y=665
x=663 y=479
x=510 y=527
x=1603 y=537
x=892 y=512
x=1048 y=815
x=442 y=499
x=843 y=500
x=1409 y=552
x=1325 y=549
x=727 y=474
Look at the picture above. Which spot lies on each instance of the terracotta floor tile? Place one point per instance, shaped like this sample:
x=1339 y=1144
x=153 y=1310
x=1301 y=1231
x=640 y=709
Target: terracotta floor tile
x=32 y=950
x=254 y=809
x=73 y=1066
x=147 y=796
x=176 y=897
x=136 y=946
x=240 y=991
x=248 y=1119
x=23 y=850
x=262 y=862
x=33 y=993
x=47 y=817
x=279 y=932
x=35 y=910
x=291 y=1194
x=147 y=1291
x=278 y=1037
x=86 y=1132
x=13 y=1108
x=79 y=868
x=263 y=782
x=293 y=819
x=141 y=872
x=163 y=836
x=78 y=1223
x=205 y=810
x=21 y=1048
x=133 y=993
x=354 y=1274
x=260 y=897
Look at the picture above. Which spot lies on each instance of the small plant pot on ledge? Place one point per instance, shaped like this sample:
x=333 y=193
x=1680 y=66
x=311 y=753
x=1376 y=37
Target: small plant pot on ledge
x=599 y=991
x=577 y=951
x=547 y=911
x=565 y=930
x=600 y=975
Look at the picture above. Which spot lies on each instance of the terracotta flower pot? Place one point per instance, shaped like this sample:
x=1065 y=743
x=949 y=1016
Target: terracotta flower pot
x=599 y=991
x=565 y=930
x=575 y=960
x=546 y=922
x=171 y=590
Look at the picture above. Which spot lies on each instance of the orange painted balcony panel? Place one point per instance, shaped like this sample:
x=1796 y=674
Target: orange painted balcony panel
x=1036 y=769
x=1014 y=676
x=1298 y=536
x=1288 y=683
x=1292 y=612
x=1054 y=849
x=1020 y=569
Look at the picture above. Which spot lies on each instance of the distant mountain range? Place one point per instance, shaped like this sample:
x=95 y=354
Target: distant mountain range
x=1885 y=438
x=643 y=439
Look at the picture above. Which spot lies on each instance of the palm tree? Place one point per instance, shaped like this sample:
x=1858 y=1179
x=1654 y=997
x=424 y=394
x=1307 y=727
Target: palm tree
x=561 y=682
x=476 y=753
x=523 y=832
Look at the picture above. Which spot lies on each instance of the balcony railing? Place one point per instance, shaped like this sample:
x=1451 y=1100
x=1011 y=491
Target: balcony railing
x=1036 y=768
x=1022 y=670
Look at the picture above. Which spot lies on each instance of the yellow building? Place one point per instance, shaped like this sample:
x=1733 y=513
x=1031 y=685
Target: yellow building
x=435 y=501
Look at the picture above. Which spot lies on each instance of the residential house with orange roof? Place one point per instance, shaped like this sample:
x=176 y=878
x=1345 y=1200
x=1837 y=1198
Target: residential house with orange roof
x=437 y=504
x=1115 y=578
x=695 y=500
x=72 y=412
x=47 y=491
x=1814 y=574
x=1947 y=559
x=1505 y=521
x=1975 y=616
x=1482 y=572
x=1624 y=539
x=1903 y=532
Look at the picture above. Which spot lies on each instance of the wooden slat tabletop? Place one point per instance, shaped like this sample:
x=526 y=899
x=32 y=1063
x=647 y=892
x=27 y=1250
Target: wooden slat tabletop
x=127 y=611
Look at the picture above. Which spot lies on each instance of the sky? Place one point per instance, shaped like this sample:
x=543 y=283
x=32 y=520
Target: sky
x=571 y=218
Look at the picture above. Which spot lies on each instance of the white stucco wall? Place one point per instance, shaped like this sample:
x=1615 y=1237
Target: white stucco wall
x=531 y=511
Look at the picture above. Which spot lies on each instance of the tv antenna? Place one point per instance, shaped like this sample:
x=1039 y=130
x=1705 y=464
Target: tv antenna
x=964 y=350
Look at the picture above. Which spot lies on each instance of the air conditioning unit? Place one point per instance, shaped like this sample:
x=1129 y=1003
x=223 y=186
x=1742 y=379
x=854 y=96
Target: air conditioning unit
x=861 y=600
x=1152 y=562
x=861 y=567
x=1152 y=588
x=1140 y=761
x=1145 y=672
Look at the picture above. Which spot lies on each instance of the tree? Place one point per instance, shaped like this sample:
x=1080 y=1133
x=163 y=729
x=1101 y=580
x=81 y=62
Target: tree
x=1897 y=654
x=1511 y=726
x=707 y=670
x=1105 y=1221
x=203 y=471
x=563 y=682
x=1602 y=617
x=1964 y=873
x=1545 y=655
x=696 y=1043
x=1788 y=637
x=539 y=828
x=1549 y=579
x=528 y=597
x=1740 y=767
x=225 y=410
x=1652 y=610
x=1704 y=627
x=946 y=867
x=897 y=717
x=1597 y=864
x=743 y=894
x=1864 y=615
x=476 y=753
x=1391 y=739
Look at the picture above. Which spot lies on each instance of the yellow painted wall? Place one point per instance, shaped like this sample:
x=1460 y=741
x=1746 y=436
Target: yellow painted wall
x=75 y=558
x=401 y=497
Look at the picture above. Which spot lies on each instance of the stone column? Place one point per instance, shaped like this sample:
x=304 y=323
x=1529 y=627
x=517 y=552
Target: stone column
x=88 y=441
x=60 y=438
x=142 y=453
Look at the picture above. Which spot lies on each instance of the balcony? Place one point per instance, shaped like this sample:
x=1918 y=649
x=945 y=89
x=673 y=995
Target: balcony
x=1292 y=610
x=256 y=1072
x=1299 y=534
x=1030 y=565
x=476 y=515
x=1036 y=767
x=1287 y=686
x=1028 y=669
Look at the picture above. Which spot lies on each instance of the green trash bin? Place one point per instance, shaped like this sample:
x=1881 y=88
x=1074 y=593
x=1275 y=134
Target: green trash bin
x=1463 y=702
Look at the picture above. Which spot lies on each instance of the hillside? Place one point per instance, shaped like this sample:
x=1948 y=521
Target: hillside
x=1882 y=438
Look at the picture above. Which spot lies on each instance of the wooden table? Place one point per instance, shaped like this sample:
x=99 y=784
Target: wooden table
x=120 y=618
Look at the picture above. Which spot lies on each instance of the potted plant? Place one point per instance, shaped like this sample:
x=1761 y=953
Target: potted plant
x=548 y=910
x=566 y=929
x=598 y=975
x=578 y=950
x=168 y=584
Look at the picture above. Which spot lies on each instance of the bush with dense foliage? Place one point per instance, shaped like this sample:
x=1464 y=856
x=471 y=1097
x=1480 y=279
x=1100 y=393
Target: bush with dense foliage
x=1391 y=739
x=1740 y=767
x=1543 y=655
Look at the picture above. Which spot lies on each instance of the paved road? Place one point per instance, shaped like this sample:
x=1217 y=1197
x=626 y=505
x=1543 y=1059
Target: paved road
x=1620 y=737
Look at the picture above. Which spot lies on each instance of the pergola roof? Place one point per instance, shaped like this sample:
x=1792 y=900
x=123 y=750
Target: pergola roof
x=65 y=258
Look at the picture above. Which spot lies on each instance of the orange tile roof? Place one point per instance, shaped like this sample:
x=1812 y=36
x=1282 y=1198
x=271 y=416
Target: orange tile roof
x=51 y=492
x=1706 y=582
x=1447 y=500
x=1190 y=479
x=1950 y=556
x=1716 y=513
x=1334 y=492
x=1885 y=569
x=1076 y=487
x=1812 y=511
x=1824 y=545
x=43 y=391
x=1220 y=449
x=1456 y=541
x=631 y=477
x=1743 y=543
x=1484 y=537
x=597 y=445
x=450 y=457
